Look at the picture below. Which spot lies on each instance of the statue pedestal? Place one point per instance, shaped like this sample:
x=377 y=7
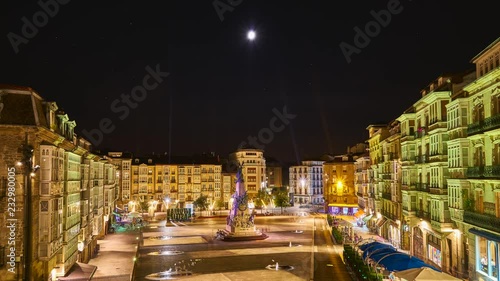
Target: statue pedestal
x=241 y=231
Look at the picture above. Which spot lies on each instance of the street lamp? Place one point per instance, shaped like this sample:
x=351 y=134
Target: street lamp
x=29 y=173
x=303 y=184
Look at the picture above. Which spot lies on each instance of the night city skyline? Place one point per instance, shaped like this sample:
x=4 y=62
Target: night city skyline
x=222 y=88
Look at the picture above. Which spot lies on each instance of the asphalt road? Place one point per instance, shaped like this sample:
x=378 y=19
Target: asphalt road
x=289 y=243
x=328 y=264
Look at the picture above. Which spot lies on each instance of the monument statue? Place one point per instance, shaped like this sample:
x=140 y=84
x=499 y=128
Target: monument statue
x=240 y=221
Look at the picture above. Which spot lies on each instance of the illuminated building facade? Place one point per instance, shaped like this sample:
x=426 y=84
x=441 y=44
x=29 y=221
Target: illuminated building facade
x=254 y=168
x=339 y=182
x=52 y=173
x=306 y=181
x=473 y=159
x=161 y=185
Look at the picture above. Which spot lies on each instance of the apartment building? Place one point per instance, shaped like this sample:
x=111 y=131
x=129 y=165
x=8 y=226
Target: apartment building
x=274 y=174
x=377 y=133
x=339 y=182
x=473 y=159
x=228 y=181
x=123 y=163
x=50 y=170
x=306 y=182
x=364 y=186
x=161 y=185
x=254 y=168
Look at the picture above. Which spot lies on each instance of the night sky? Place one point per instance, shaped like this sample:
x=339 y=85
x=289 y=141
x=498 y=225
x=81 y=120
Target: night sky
x=222 y=88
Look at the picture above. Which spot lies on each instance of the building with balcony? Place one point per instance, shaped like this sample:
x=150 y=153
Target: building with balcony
x=474 y=158
x=433 y=234
x=339 y=182
x=47 y=172
x=377 y=133
x=363 y=186
x=254 y=168
x=389 y=185
x=159 y=185
x=123 y=163
x=409 y=176
x=306 y=181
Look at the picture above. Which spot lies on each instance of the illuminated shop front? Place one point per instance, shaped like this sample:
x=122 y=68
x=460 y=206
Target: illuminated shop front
x=487 y=254
x=342 y=209
x=434 y=250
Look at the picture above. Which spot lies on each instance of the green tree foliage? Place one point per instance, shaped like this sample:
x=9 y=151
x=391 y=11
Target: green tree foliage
x=219 y=204
x=281 y=199
x=201 y=203
x=143 y=206
x=263 y=198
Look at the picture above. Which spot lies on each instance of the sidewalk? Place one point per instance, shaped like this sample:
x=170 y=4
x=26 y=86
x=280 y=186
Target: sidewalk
x=115 y=261
x=364 y=232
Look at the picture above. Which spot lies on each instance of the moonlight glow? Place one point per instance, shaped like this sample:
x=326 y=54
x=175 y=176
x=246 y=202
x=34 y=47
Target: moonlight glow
x=251 y=35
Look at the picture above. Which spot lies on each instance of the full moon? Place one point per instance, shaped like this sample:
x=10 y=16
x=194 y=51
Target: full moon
x=251 y=35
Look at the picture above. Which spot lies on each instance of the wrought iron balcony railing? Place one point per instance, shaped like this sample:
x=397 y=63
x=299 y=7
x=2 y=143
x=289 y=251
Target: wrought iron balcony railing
x=475 y=172
x=482 y=220
x=491 y=122
x=475 y=128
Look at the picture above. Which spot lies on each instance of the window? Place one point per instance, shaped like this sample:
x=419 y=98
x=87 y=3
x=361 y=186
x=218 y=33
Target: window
x=44 y=206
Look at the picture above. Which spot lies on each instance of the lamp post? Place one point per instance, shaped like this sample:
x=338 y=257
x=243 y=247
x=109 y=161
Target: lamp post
x=303 y=184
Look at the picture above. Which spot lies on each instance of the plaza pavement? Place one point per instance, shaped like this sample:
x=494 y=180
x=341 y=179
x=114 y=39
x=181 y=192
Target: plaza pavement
x=115 y=260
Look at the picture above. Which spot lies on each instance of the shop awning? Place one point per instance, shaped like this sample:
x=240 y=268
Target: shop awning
x=485 y=234
x=367 y=218
x=79 y=272
x=359 y=213
x=343 y=205
x=381 y=221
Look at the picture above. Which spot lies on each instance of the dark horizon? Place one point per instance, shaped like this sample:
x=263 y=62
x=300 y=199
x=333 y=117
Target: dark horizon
x=210 y=88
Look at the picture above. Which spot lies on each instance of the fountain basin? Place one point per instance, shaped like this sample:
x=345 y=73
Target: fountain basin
x=165 y=253
x=279 y=267
x=169 y=274
x=161 y=237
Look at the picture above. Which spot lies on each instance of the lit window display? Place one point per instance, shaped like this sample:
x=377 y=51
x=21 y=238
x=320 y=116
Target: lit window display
x=487 y=258
x=434 y=255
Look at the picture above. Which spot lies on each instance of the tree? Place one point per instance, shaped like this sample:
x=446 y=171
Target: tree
x=201 y=203
x=219 y=204
x=143 y=206
x=263 y=198
x=281 y=199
